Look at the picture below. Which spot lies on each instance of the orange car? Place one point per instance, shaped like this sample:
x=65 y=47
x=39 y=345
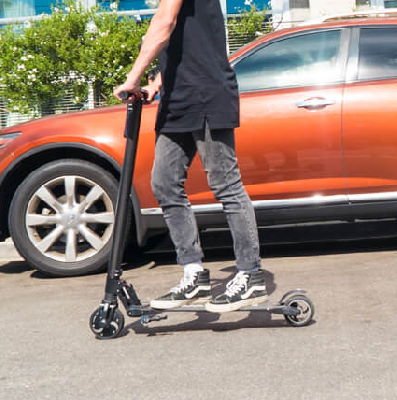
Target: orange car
x=318 y=141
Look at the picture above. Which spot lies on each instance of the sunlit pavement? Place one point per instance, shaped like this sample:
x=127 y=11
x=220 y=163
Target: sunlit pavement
x=349 y=352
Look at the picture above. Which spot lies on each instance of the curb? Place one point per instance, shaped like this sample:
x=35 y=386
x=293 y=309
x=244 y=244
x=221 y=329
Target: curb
x=8 y=251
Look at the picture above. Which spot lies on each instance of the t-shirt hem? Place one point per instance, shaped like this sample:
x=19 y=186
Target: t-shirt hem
x=197 y=128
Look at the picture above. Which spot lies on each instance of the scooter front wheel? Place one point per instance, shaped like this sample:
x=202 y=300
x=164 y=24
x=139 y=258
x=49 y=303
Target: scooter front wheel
x=108 y=329
x=305 y=308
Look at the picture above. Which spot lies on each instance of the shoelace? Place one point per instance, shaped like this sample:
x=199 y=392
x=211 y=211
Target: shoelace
x=236 y=284
x=184 y=283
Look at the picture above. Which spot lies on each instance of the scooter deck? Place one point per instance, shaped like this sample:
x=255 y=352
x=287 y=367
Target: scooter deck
x=266 y=306
x=149 y=314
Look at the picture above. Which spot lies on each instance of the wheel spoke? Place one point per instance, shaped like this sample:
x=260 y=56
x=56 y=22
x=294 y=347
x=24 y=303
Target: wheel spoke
x=94 y=240
x=45 y=195
x=39 y=219
x=50 y=239
x=93 y=195
x=70 y=190
x=99 y=218
x=71 y=250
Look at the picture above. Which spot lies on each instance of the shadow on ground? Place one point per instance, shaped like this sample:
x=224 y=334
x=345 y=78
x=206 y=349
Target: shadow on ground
x=16 y=267
x=208 y=322
x=276 y=250
x=285 y=242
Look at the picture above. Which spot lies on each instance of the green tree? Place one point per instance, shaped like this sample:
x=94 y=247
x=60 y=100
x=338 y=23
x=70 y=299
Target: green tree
x=245 y=27
x=64 y=52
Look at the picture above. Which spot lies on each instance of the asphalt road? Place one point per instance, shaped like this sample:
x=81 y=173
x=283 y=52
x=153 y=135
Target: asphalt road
x=350 y=352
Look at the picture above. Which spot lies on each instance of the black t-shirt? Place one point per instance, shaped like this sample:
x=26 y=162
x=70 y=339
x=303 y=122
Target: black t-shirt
x=198 y=81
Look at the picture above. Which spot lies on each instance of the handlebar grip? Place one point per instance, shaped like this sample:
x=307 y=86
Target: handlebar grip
x=125 y=95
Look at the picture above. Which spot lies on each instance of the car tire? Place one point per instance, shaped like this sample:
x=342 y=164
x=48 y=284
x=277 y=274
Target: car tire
x=61 y=217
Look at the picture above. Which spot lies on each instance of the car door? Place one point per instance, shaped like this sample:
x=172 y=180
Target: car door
x=289 y=144
x=370 y=115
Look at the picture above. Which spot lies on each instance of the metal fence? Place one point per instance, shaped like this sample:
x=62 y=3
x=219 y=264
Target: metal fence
x=64 y=105
x=237 y=41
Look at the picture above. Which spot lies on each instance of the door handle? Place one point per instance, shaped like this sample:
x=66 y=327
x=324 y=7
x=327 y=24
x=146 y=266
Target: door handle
x=315 y=103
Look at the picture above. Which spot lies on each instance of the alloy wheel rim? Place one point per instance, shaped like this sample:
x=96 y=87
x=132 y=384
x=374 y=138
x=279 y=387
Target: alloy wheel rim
x=69 y=218
x=303 y=308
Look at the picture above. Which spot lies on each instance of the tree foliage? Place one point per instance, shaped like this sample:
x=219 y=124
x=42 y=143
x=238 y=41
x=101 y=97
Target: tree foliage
x=247 y=25
x=43 y=60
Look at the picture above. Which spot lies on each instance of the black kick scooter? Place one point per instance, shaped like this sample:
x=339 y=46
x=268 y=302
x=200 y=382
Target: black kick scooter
x=107 y=321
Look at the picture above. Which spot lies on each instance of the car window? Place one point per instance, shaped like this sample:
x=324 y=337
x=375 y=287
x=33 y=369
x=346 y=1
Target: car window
x=377 y=53
x=307 y=59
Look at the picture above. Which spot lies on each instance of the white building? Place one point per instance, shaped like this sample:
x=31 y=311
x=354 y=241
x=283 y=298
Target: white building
x=289 y=12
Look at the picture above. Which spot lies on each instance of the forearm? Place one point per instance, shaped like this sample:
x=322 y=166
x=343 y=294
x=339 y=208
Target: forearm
x=156 y=38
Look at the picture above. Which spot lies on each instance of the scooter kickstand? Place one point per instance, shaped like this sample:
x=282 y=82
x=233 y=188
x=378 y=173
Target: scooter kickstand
x=146 y=319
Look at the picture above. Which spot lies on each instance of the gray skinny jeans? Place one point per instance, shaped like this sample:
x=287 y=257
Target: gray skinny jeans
x=174 y=153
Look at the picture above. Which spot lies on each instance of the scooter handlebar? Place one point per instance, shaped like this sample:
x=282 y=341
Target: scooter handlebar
x=126 y=95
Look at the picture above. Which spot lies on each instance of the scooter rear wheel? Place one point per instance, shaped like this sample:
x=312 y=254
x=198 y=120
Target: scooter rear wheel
x=112 y=328
x=305 y=308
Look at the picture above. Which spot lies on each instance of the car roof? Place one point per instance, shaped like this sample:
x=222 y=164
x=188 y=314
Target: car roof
x=374 y=13
x=340 y=21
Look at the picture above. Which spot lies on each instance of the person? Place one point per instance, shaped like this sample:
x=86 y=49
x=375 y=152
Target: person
x=198 y=111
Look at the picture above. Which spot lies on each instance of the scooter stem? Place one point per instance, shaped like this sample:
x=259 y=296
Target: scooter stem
x=132 y=127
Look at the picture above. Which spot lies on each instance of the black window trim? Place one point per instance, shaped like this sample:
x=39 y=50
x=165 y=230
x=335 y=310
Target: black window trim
x=352 y=66
x=343 y=56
